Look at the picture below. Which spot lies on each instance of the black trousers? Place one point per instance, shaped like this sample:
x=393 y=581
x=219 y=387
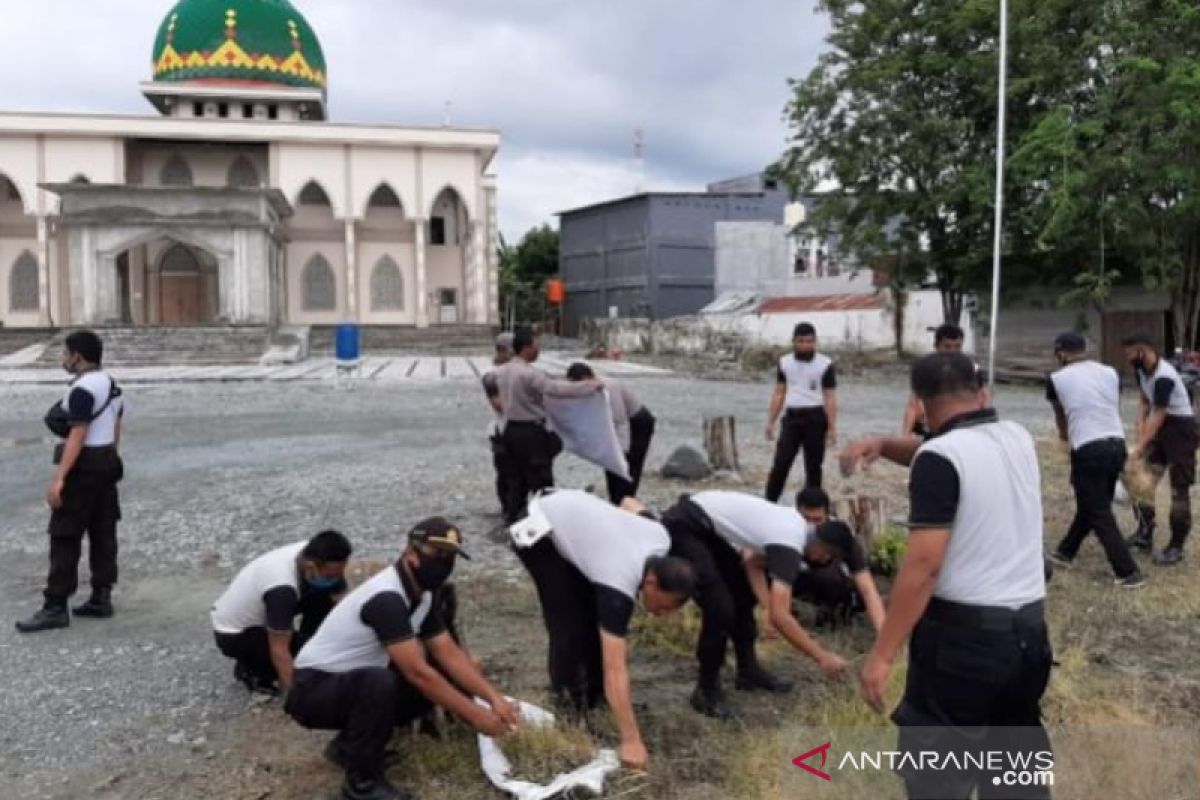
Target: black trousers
x=505 y=488
x=91 y=507
x=802 y=429
x=641 y=431
x=1095 y=469
x=251 y=648
x=1173 y=451
x=568 y=603
x=364 y=705
x=531 y=451
x=975 y=682
x=723 y=591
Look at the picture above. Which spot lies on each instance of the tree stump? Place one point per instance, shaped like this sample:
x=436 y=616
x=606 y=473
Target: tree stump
x=720 y=443
x=867 y=516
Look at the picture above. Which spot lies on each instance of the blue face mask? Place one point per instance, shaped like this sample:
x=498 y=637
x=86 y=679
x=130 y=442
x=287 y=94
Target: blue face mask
x=322 y=584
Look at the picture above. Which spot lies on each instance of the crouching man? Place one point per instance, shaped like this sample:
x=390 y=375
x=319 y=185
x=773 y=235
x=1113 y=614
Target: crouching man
x=367 y=670
x=589 y=561
x=253 y=619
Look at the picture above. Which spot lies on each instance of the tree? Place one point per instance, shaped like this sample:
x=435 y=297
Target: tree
x=524 y=270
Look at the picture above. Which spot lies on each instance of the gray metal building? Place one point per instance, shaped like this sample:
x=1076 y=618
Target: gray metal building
x=652 y=255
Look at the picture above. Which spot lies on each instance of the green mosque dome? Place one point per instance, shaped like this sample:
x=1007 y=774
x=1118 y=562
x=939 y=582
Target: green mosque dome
x=247 y=42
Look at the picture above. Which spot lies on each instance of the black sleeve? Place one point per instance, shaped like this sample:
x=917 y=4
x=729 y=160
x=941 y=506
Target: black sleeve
x=783 y=563
x=829 y=379
x=856 y=560
x=613 y=610
x=282 y=603
x=1051 y=393
x=780 y=376
x=1163 y=387
x=80 y=407
x=932 y=492
x=490 y=387
x=387 y=614
x=435 y=621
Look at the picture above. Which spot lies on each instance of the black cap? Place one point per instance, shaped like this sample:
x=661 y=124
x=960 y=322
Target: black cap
x=837 y=536
x=440 y=533
x=1069 y=343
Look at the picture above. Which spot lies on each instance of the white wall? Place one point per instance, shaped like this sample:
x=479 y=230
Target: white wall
x=760 y=256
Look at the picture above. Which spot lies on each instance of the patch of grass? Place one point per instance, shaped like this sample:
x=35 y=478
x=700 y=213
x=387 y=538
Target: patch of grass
x=539 y=753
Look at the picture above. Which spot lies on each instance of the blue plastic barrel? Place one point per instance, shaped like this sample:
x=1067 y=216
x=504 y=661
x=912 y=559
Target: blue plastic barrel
x=346 y=342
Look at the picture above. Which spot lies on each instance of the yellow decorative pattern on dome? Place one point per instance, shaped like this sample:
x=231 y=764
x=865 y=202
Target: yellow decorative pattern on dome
x=231 y=55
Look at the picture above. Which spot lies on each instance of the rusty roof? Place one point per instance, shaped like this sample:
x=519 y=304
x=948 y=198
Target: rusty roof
x=829 y=302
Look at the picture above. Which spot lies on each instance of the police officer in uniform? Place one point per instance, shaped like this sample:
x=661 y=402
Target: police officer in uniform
x=1086 y=396
x=83 y=492
x=589 y=566
x=969 y=595
x=1167 y=438
x=530 y=446
x=711 y=529
x=806 y=384
x=635 y=428
x=253 y=619
x=948 y=338
x=505 y=486
x=367 y=670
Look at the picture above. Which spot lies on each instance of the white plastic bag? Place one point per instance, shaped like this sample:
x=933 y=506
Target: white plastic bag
x=586 y=427
x=495 y=765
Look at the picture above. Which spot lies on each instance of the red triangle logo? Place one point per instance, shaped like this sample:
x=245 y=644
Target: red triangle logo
x=824 y=752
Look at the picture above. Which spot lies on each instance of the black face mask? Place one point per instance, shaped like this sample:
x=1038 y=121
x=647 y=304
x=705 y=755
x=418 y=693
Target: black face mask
x=803 y=356
x=431 y=573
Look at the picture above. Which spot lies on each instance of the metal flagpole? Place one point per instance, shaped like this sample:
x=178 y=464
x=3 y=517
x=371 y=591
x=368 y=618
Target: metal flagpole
x=998 y=232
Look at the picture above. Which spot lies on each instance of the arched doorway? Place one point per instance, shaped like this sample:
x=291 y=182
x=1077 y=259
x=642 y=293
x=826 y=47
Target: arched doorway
x=188 y=291
x=449 y=241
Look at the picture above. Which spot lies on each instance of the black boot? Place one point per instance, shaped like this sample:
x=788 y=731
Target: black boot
x=1143 y=537
x=358 y=786
x=709 y=700
x=98 y=606
x=52 y=615
x=752 y=676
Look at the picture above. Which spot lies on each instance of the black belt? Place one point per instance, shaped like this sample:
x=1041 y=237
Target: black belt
x=989 y=617
x=1108 y=441
x=533 y=422
x=798 y=410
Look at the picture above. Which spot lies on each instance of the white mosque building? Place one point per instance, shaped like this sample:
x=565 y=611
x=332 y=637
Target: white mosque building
x=239 y=203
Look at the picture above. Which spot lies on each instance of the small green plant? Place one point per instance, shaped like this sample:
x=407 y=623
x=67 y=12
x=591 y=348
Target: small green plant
x=887 y=551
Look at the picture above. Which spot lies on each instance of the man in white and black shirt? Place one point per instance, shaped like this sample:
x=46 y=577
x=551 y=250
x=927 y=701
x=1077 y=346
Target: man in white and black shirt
x=948 y=338
x=83 y=495
x=1167 y=439
x=711 y=530
x=1086 y=396
x=367 y=669
x=589 y=568
x=253 y=619
x=806 y=384
x=970 y=590
x=506 y=487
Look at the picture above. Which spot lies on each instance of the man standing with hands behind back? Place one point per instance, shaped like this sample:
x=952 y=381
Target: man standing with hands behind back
x=806 y=384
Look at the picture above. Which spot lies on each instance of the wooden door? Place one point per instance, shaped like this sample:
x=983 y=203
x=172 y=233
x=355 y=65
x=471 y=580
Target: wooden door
x=1117 y=325
x=181 y=299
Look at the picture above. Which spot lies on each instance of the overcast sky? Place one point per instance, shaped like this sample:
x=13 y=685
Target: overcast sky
x=566 y=83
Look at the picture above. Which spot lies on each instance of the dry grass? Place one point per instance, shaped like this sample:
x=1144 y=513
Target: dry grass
x=538 y=753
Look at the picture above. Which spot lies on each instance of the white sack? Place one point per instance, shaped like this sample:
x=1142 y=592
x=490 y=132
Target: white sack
x=586 y=427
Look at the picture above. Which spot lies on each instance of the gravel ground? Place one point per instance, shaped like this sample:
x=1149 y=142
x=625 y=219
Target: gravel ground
x=219 y=473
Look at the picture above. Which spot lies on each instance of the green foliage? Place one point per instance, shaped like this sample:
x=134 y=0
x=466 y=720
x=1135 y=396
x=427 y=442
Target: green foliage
x=887 y=551
x=524 y=270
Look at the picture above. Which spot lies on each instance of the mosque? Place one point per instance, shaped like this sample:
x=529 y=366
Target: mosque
x=239 y=203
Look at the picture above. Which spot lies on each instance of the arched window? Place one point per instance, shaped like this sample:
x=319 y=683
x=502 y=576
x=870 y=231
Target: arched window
x=387 y=286
x=313 y=195
x=242 y=174
x=319 y=286
x=80 y=180
x=179 y=258
x=384 y=197
x=23 y=294
x=176 y=172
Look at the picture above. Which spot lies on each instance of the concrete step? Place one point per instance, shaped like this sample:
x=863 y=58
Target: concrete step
x=407 y=339
x=201 y=345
